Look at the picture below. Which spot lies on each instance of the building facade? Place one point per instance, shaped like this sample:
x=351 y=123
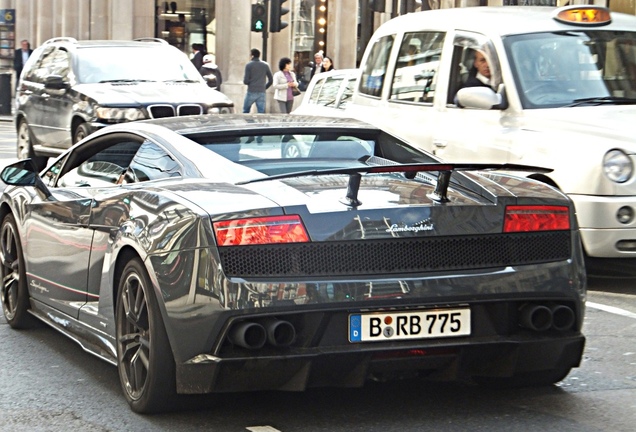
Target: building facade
x=339 y=28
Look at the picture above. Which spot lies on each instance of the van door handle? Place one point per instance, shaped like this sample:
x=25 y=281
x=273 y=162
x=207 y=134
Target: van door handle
x=439 y=144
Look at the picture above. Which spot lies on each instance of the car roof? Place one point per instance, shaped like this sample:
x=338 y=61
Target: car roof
x=337 y=72
x=494 y=20
x=250 y=123
x=73 y=43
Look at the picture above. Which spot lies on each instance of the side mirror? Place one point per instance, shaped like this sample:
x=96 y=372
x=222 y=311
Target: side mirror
x=482 y=98
x=24 y=173
x=55 y=82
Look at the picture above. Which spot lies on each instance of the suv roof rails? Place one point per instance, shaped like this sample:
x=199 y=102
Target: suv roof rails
x=61 y=39
x=151 y=39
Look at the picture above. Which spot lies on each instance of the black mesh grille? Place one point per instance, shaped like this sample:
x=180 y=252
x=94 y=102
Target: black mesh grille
x=183 y=110
x=161 y=111
x=395 y=256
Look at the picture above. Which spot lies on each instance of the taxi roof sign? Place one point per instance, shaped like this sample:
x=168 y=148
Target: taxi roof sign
x=583 y=15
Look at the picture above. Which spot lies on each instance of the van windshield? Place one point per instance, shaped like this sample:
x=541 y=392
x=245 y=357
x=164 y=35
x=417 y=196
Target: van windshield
x=574 y=68
x=121 y=64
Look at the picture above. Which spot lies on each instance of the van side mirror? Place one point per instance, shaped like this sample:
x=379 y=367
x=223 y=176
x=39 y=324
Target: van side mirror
x=482 y=98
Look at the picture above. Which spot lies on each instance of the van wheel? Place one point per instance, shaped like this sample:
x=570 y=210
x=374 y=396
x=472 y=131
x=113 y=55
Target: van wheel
x=25 y=141
x=81 y=132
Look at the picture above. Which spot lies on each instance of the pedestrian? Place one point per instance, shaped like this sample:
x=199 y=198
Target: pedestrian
x=316 y=65
x=198 y=51
x=20 y=57
x=258 y=78
x=284 y=85
x=210 y=71
x=327 y=64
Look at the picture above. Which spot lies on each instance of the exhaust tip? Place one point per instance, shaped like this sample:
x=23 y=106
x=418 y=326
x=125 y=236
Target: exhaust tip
x=562 y=317
x=536 y=317
x=280 y=333
x=248 y=335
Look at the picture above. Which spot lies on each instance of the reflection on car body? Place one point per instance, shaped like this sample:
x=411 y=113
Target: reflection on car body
x=216 y=264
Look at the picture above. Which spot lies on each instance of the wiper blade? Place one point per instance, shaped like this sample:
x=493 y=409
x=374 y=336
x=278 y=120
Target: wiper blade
x=410 y=171
x=613 y=100
x=181 y=81
x=125 y=80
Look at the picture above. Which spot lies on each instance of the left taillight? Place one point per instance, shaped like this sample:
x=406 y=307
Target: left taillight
x=536 y=218
x=260 y=230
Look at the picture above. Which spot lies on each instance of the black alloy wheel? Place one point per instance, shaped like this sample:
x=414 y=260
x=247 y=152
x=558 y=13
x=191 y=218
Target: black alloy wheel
x=14 y=291
x=145 y=362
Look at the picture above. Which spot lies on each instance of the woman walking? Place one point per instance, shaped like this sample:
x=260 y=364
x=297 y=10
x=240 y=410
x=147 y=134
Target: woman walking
x=284 y=85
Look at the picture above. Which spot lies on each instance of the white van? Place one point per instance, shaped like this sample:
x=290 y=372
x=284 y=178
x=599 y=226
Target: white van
x=561 y=94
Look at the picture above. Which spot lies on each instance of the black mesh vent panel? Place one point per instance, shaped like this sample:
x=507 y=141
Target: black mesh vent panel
x=183 y=110
x=395 y=256
x=161 y=111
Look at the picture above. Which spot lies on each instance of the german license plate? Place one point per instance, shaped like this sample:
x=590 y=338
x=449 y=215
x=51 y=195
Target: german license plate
x=431 y=323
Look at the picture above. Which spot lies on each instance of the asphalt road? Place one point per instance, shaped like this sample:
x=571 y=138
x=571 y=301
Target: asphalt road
x=47 y=383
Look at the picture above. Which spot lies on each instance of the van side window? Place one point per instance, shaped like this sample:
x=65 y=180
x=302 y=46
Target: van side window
x=415 y=75
x=374 y=73
x=465 y=45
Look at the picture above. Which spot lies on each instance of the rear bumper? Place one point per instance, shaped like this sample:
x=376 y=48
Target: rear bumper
x=352 y=368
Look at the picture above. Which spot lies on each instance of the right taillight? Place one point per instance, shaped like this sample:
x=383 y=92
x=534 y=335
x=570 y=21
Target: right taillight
x=536 y=218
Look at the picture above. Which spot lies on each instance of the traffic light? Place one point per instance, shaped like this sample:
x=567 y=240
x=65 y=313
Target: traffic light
x=276 y=12
x=259 y=17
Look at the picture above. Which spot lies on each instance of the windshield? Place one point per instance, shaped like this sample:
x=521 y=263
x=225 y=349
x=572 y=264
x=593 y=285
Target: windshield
x=100 y=64
x=574 y=67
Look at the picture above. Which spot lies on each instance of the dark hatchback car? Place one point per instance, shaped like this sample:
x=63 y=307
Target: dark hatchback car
x=71 y=88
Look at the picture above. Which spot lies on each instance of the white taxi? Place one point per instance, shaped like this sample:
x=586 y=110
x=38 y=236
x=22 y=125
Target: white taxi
x=559 y=91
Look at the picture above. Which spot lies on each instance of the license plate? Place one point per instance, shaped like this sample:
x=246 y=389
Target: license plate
x=431 y=323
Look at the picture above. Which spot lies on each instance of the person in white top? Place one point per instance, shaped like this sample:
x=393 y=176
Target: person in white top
x=285 y=85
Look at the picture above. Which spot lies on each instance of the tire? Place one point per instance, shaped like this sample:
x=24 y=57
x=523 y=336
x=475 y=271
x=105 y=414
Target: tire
x=291 y=150
x=25 y=141
x=144 y=358
x=81 y=132
x=14 y=291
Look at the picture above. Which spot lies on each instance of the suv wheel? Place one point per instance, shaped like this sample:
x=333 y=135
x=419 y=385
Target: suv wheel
x=81 y=132
x=25 y=148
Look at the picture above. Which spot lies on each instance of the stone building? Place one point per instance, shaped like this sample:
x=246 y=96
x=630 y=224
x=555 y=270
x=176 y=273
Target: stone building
x=340 y=28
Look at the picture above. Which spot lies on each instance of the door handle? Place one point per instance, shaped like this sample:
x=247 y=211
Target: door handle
x=439 y=144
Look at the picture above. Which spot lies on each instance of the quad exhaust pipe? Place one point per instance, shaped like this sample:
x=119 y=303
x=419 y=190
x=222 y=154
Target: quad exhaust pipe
x=540 y=317
x=253 y=335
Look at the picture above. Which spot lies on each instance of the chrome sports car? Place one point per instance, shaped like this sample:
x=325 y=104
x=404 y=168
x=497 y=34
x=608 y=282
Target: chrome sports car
x=192 y=255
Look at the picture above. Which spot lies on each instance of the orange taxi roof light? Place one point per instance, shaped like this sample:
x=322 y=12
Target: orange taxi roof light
x=584 y=15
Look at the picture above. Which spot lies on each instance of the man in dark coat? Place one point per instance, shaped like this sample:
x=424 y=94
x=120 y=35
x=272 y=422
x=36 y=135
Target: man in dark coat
x=199 y=51
x=258 y=78
x=20 y=57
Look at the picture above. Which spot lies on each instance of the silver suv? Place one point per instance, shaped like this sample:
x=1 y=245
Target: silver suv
x=69 y=89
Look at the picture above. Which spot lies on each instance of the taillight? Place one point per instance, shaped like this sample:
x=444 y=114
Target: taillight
x=536 y=218
x=260 y=230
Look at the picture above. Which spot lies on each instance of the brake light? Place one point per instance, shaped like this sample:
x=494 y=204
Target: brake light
x=536 y=218
x=260 y=230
